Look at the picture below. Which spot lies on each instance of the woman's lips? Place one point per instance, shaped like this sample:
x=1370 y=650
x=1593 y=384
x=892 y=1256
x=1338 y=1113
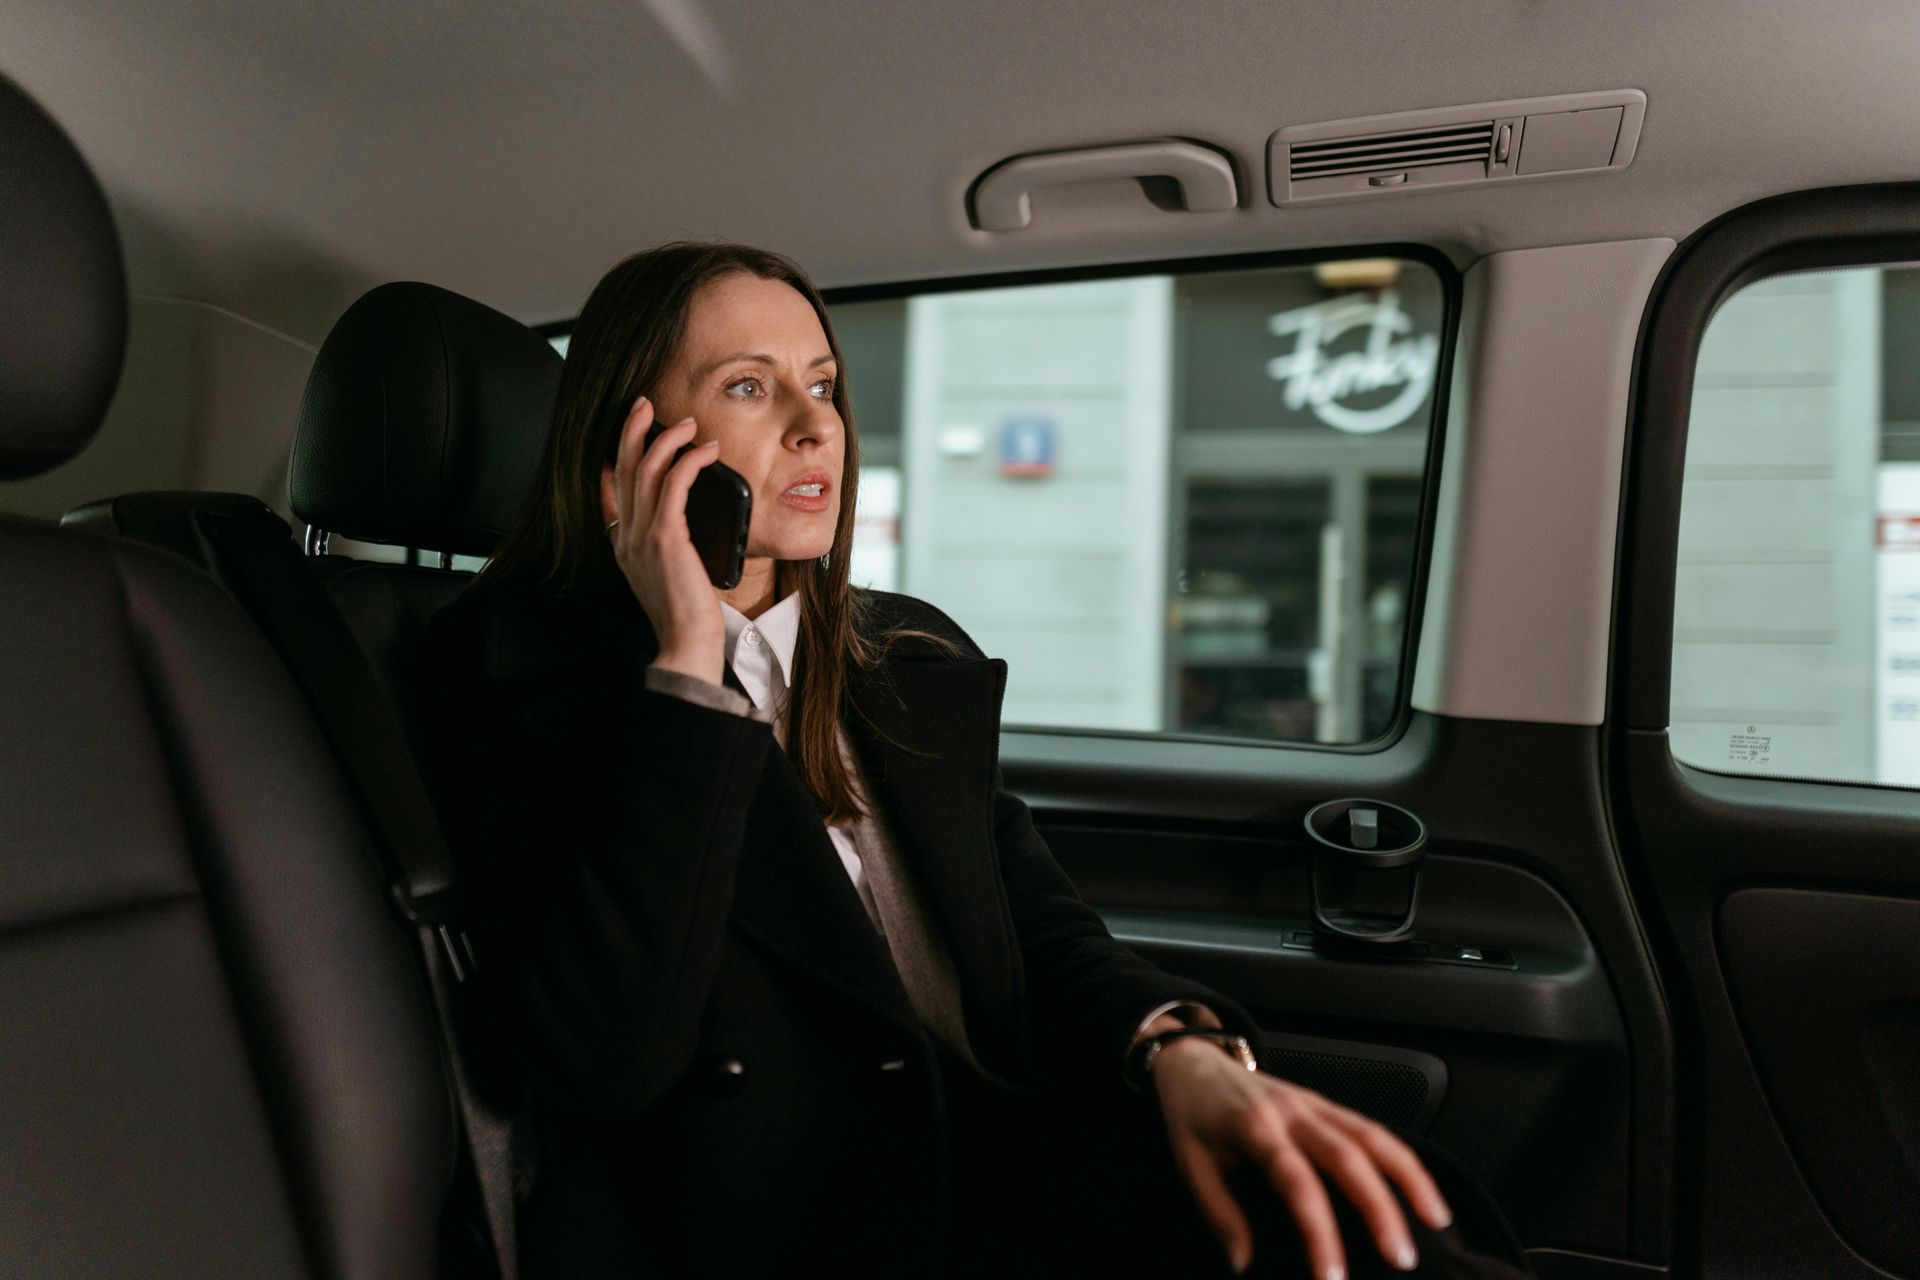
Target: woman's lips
x=811 y=492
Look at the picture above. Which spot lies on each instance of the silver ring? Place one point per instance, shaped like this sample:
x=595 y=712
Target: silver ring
x=612 y=524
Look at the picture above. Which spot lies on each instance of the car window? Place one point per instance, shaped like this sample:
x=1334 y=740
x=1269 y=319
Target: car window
x=1797 y=599
x=1175 y=503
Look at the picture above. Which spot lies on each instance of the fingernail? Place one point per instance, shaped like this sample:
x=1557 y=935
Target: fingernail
x=1442 y=1217
x=1240 y=1260
x=1406 y=1259
x=1336 y=1272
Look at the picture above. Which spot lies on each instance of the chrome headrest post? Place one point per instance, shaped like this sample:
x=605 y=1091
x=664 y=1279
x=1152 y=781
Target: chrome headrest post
x=446 y=559
x=316 y=541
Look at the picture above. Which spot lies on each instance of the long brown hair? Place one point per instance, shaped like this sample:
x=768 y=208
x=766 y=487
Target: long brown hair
x=621 y=345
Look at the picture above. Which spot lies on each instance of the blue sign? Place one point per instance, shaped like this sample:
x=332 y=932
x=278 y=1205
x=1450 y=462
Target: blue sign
x=1027 y=447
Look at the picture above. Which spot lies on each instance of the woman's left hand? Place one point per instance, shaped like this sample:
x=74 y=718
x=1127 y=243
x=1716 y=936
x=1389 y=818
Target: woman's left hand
x=1219 y=1115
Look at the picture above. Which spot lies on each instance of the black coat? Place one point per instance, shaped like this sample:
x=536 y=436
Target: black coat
x=728 y=1073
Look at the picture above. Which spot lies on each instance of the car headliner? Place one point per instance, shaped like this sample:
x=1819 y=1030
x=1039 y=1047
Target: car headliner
x=276 y=158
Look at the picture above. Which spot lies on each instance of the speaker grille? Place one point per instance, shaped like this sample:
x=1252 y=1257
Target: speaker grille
x=1390 y=1092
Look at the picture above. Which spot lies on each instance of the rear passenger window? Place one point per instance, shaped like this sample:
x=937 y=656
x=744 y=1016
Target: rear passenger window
x=1797 y=612
x=1183 y=504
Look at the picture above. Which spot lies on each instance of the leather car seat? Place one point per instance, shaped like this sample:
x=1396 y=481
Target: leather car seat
x=423 y=422
x=220 y=1056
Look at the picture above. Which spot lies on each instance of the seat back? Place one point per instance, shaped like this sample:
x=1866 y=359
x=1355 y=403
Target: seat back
x=220 y=1056
x=432 y=366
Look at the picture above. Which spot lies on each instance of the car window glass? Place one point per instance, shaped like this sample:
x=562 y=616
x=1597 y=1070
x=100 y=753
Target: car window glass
x=1797 y=595
x=1174 y=503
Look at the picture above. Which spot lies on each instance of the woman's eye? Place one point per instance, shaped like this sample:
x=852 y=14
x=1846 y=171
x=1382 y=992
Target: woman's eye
x=823 y=389
x=747 y=388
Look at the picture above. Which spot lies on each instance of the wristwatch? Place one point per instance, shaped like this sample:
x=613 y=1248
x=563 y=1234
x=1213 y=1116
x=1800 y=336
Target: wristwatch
x=1140 y=1061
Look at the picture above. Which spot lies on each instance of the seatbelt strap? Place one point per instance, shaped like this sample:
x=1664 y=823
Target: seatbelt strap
x=265 y=571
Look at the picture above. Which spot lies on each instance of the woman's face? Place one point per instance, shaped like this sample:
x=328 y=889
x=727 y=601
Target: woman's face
x=755 y=373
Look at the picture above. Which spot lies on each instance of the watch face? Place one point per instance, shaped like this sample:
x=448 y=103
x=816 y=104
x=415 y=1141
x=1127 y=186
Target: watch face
x=1242 y=1050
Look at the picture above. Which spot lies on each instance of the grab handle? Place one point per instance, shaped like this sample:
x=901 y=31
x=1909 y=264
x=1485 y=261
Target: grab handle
x=1205 y=178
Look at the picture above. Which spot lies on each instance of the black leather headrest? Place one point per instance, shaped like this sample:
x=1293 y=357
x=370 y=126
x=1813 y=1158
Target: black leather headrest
x=63 y=293
x=423 y=421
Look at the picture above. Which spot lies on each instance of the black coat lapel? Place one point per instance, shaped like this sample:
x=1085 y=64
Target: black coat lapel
x=926 y=728
x=791 y=894
x=927 y=733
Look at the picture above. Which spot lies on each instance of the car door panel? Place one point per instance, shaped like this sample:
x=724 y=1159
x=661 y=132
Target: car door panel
x=1826 y=987
x=1783 y=911
x=1549 y=1063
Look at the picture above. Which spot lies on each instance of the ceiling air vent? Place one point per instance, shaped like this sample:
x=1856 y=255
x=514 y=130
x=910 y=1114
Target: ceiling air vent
x=1488 y=142
x=1380 y=153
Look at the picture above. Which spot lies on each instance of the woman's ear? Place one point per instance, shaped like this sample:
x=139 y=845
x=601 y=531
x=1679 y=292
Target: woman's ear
x=609 y=495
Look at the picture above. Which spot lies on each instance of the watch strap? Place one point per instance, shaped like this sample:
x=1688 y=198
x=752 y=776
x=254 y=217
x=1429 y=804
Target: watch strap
x=1140 y=1061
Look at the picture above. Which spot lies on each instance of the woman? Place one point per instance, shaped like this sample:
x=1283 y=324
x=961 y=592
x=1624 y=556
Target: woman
x=793 y=977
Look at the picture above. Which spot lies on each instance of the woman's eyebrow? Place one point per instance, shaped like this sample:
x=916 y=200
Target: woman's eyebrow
x=755 y=357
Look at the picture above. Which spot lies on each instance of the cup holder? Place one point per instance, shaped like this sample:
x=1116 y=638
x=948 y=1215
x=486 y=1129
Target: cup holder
x=1364 y=881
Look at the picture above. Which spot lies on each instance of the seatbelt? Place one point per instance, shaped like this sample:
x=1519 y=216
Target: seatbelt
x=260 y=565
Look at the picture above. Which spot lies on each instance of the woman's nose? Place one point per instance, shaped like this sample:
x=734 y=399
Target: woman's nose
x=814 y=422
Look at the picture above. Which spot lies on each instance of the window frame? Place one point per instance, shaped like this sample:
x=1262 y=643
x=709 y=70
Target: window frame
x=1059 y=741
x=1833 y=229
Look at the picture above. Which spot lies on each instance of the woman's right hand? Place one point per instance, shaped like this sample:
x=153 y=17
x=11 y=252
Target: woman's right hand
x=647 y=494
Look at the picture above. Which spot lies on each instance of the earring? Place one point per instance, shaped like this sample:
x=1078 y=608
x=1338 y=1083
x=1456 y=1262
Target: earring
x=826 y=559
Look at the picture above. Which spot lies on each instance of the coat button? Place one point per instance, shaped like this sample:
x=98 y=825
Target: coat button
x=728 y=1074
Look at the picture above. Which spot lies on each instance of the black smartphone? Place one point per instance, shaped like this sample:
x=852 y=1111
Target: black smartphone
x=719 y=507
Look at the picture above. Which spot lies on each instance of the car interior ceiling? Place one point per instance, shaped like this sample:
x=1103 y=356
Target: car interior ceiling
x=233 y=941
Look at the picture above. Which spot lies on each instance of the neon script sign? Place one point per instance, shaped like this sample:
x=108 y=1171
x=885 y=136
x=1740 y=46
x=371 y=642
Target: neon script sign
x=1394 y=356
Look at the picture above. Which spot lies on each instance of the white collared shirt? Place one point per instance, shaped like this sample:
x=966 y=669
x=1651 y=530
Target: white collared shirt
x=760 y=651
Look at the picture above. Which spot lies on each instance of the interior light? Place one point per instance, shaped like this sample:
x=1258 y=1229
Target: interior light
x=1358 y=273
